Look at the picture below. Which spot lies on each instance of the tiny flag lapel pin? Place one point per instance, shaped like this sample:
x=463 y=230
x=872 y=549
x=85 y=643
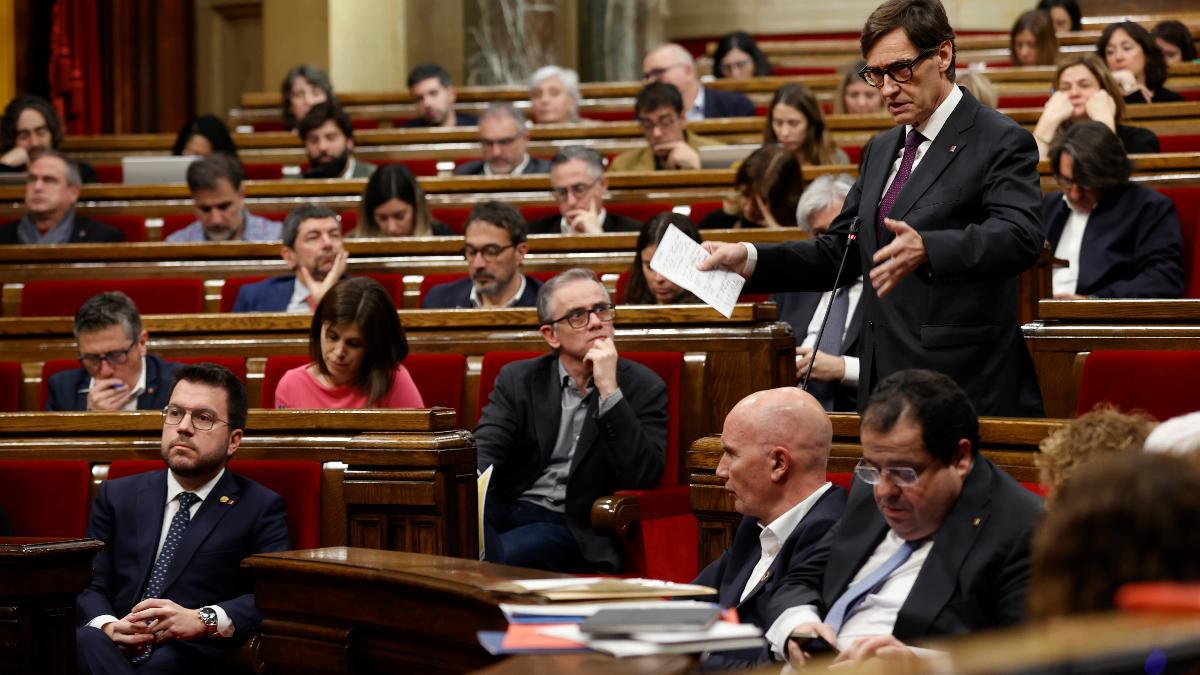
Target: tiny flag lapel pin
x=975 y=521
x=226 y=500
x=953 y=148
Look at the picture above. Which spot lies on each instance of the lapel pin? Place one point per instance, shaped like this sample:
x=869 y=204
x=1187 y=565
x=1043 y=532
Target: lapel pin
x=766 y=575
x=953 y=148
x=226 y=500
x=976 y=521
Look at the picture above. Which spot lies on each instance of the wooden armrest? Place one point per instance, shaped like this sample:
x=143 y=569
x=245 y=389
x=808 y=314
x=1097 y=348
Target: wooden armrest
x=613 y=515
x=247 y=657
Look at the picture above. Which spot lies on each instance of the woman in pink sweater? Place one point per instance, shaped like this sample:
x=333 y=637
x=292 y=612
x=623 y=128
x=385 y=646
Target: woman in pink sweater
x=357 y=346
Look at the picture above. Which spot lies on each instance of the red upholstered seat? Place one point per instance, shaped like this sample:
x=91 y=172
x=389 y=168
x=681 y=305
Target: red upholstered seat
x=1022 y=100
x=640 y=211
x=842 y=480
x=701 y=209
x=349 y=219
x=263 y=171
x=439 y=378
x=393 y=284
x=535 y=212
x=45 y=498
x=1187 y=206
x=235 y=364
x=275 y=368
x=109 y=173
x=297 y=481
x=174 y=222
x=854 y=152
x=152 y=296
x=1162 y=383
x=229 y=291
x=615 y=115
x=1179 y=142
x=453 y=216
x=10 y=388
x=132 y=226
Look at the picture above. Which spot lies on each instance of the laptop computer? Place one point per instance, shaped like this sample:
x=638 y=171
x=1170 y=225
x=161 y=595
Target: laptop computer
x=724 y=156
x=147 y=170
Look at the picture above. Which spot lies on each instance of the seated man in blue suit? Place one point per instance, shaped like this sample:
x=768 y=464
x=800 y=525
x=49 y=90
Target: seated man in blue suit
x=776 y=445
x=312 y=247
x=169 y=594
x=494 y=247
x=117 y=373
x=673 y=64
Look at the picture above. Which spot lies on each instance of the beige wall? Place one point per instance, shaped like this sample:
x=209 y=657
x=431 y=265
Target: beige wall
x=294 y=31
x=228 y=53
x=366 y=45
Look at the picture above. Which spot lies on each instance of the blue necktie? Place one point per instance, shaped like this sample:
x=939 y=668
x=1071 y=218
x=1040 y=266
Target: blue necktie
x=844 y=606
x=158 y=573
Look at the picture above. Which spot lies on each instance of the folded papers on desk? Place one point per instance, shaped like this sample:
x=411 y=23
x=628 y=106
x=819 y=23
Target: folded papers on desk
x=596 y=588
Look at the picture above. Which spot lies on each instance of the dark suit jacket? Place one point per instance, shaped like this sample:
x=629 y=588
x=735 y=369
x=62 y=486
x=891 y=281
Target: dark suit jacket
x=64 y=394
x=475 y=167
x=976 y=575
x=1131 y=247
x=797 y=309
x=5 y=526
x=729 y=573
x=268 y=295
x=1137 y=140
x=460 y=119
x=718 y=103
x=624 y=450
x=613 y=222
x=457 y=294
x=127 y=516
x=84 y=231
x=974 y=199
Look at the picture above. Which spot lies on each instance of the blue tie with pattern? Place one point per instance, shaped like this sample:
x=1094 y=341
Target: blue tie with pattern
x=844 y=606
x=158 y=574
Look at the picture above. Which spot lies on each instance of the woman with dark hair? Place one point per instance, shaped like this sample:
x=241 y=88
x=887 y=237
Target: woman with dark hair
x=794 y=120
x=767 y=188
x=393 y=205
x=1136 y=62
x=1085 y=90
x=1031 y=41
x=203 y=136
x=1064 y=15
x=856 y=97
x=738 y=57
x=357 y=347
x=647 y=287
x=1175 y=41
x=1119 y=519
x=31 y=122
x=303 y=87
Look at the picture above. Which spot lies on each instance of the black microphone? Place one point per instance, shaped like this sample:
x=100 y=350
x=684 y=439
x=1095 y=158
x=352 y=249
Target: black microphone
x=851 y=237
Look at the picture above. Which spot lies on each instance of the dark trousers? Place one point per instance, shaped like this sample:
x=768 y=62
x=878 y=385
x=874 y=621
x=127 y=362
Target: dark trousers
x=523 y=534
x=96 y=654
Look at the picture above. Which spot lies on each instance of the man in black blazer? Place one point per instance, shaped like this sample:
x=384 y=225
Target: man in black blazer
x=673 y=64
x=564 y=429
x=51 y=191
x=169 y=579
x=495 y=247
x=117 y=373
x=776 y=447
x=947 y=206
x=578 y=184
x=1122 y=240
x=503 y=137
x=934 y=539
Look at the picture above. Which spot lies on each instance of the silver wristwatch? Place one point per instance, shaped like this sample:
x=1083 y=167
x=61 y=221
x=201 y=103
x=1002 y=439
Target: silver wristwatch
x=208 y=615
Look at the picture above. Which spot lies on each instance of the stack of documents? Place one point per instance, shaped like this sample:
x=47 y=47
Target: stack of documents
x=596 y=588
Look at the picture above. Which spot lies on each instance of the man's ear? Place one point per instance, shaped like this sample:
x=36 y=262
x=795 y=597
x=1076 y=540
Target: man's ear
x=945 y=54
x=961 y=461
x=549 y=335
x=235 y=441
x=521 y=249
x=779 y=460
x=350 y=144
x=289 y=257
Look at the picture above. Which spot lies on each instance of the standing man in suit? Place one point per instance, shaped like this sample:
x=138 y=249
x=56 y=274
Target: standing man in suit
x=495 y=247
x=564 y=429
x=934 y=540
x=52 y=186
x=673 y=64
x=328 y=138
x=312 y=248
x=117 y=373
x=948 y=207
x=1121 y=240
x=578 y=184
x=776 y=447
x=169 y=594
x=503 y=137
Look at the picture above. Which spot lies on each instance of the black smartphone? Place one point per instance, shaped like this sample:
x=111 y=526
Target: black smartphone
x=811 y=643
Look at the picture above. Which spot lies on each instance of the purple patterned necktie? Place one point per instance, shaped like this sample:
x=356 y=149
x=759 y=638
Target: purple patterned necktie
x=911 y=142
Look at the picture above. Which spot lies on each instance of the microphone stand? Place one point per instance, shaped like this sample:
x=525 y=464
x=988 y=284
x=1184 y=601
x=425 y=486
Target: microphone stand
x=851 y=237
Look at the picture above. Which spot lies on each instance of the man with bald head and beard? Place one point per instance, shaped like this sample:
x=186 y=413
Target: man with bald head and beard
x=494 y=247
x=776 y=447
x=312 y=248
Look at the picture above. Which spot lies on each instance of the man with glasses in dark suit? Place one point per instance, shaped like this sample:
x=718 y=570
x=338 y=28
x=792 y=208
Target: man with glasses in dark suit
x=494 y=247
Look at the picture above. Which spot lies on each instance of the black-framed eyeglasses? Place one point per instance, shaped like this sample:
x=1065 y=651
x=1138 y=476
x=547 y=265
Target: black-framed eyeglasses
x=203 y=419
x=900 y=71
x=578 y=190
x=900 y=476
x=489 y=252
x=1065 y=183
x=117 y=357
x=662 y=123
x=578 y=318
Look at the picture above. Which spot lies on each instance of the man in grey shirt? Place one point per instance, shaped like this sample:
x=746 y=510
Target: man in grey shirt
x=564 y=429
x=220 y=202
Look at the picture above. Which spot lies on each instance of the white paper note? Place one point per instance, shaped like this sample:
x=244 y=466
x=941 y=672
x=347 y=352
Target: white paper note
x=676 y=259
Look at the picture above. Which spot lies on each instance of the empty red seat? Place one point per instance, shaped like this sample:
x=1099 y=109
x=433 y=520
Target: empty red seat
x=701 y=209
x=45 y=498
x=453 y=216
x=1160 y=382
x=152 y=296
x=1179 y=142
x=263 y=171
x=229 y=291
x=1022 y=100
x=535 y=212
x=109 y=173
x=1187 y=206
x=640 y=211
x=10 y=386
x=133 y=227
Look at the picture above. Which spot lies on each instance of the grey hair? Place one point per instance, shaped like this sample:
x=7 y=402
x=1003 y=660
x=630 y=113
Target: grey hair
x=568 y=77
x=74 y=178
x=545 y=297
x=825 y=189
x=112 y=308
x=506 y=108
x=582 y=153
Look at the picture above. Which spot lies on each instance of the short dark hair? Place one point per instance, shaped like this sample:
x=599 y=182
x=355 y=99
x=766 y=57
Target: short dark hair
x=388 y=182
x=315 y=76
x=745 y=42
x=293 y=221
x=637 y=291
x=930 y=399
x=1071 y=7
x=1156 y=64
x=12 y=113
x=218 y=377
x=365 y=303
x=1098 y=157
x=923 y=21
x=658 y=95
x=582 y=153
x=545 y=296
x=500 y=214
x=206 y=172
x=425 y=71
x=111 y=308
x=1177 y=34
x=321 y=113
x=210 y=127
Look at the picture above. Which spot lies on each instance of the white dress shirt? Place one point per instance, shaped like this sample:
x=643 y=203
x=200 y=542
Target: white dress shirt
x=850 y=377
x=1065 y=280
x=773 y=534
x=696 y=112
x=477 y=303
x=300 y=296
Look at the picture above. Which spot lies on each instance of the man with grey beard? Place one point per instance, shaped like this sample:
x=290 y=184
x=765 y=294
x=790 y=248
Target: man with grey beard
x=494 y=248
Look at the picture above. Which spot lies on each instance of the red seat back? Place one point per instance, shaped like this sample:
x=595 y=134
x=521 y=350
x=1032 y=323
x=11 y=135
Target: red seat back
x=235 y=364
x=1187 y=206
x=393 y=284
x=534 y=212
x=174 y=222
x=152 y=296
x=1022 y=100
x=10 y=386
x=701 y=209
x=1165 y=385
x=668 y=366
x=50 y=368
x=1179 y=142
x=133 y=227
x=229 y=291
x=263 y=170
x=453 y=216
x=275 y=368
x=45 y=498
x=439 y=378
x=641 y=211
x=841 y=479
x=109 y=173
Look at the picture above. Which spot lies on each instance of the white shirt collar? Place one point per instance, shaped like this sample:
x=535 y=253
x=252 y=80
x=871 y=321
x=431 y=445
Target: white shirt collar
x=512 y=302
x=349 y=173
x=174 y=488
x=566 y=229
x=696 y=112
x=777 y=531
x=933 y=126
x=487 y=168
